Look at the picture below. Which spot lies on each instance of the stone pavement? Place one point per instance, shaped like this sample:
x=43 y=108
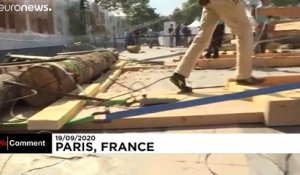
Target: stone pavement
x=198 y=78
x=177 y=164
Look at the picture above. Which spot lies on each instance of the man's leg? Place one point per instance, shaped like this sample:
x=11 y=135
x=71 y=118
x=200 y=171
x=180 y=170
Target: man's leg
x=200 y=43
x=234 y=15
x=233 y=12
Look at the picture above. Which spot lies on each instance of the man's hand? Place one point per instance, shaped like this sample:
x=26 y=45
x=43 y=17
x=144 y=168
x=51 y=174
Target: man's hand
x=204 y=2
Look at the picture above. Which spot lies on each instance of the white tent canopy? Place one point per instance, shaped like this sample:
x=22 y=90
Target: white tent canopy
x=194 y=26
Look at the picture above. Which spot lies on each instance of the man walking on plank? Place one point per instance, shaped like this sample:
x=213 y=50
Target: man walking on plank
x=233 y=13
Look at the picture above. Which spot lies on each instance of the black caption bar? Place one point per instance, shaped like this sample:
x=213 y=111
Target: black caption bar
x=26 y=143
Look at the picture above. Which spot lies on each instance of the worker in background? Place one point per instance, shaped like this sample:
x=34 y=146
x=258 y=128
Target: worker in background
x=136 y=34
x=126 y=38
x=233 y=13
x=150 y=37
x=171 y=35
x=177 y=35
x=187 y=35
x=130 y=38
x=216 y=42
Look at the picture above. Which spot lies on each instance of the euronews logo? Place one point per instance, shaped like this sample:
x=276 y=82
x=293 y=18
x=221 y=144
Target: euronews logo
x=25 y=8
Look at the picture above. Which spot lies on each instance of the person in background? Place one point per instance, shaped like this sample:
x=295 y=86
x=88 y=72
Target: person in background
x=177 y=35
x=150 y=37
x=216 y=42
x=233 y=13
x=126 y=38
x=171 y=35
x=187 y=35
x=130 y=38
x=136 y=34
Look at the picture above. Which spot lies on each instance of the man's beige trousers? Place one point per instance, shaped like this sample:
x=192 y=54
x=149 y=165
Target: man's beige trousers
x=233 y=13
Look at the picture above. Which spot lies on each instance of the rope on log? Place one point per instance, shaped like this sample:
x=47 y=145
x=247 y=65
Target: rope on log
x=46 y=77
x=8 y=93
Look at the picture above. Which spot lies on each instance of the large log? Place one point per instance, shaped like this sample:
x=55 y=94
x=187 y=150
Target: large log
x=56 y=79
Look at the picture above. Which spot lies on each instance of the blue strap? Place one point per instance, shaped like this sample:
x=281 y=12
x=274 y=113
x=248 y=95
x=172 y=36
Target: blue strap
x=202 y=101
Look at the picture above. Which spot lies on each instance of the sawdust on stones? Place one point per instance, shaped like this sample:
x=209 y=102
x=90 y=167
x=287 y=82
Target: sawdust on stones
x=139 y=79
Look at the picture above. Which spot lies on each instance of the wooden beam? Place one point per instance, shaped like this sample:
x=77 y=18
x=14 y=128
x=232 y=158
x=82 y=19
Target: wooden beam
x=262 y=62
x=280 y=109
x=29 y=57
x=231 y=112
x=287 y=26
x=268 y=81
x=56 y=115
x=85 y=52
x=295 y=33
x=246 y=112
x=279 y=11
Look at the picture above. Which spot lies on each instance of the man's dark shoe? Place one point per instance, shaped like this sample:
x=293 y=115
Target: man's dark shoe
x=207 y=55
x=179 y=81
x=250 y=81
x=216 y=55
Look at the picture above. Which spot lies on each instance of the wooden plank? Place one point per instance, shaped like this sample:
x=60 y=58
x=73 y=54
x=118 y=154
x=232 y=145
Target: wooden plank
x=280 y=109
x=215 y=63
x=110 y=80
x=119 y=64
x=295 y=33
x=57 y=114
x=232 y=112
x=260 y=55
x=286 y=54
x=85 y=52
x=268 y=81
x=26 y=63
x=287 y=26
x=263 y=62
x=60 y=112
x=77 y=53
x=29 y=57
x=279 y=11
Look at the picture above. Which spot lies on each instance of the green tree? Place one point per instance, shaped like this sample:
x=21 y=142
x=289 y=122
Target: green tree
x=137 y=12
x=178 y=16
x=189 y=12
x=77 y=21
